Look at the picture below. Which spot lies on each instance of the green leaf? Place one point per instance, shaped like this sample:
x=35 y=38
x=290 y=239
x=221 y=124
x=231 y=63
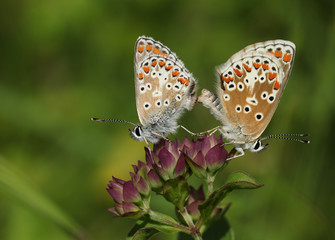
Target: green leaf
x=148 y=226
x=237 y=180
x=143 y=234
x=241 y=180
x=219 y=230
x=176 y=191
x=162 y=219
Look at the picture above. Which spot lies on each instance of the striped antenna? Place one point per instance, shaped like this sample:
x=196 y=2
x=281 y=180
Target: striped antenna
x=111 y=120
x=288 y=136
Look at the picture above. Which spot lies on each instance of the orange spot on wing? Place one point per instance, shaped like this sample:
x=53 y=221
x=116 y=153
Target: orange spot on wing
x=175 y=73
x=161 y=64
x=156 y=50
x=187 y=82
x=265 y=66
x=146 y=69
x=247 y=67
x=287 y=57
x=230 y=79
x=238 y=72
x=182 y=80
x=272 y=75
x=140 y=48
x=164 y=55
x=149 y=48
x=270 y=52
x=256 y=65
x=154 y=63
x=278 y=54
x=140 y=75
x=276 y=86
x=168 y=67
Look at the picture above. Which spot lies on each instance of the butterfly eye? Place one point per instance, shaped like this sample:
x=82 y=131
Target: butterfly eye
x=138 y=131
x=257 y=145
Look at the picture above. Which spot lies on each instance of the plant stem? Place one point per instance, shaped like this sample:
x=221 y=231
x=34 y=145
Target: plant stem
x=210 y=181
x=169 y=222
x=197 y=236
x=187 y=218
x=195 y=233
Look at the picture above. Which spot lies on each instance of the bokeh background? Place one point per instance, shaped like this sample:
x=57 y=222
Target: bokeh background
x=62 y=62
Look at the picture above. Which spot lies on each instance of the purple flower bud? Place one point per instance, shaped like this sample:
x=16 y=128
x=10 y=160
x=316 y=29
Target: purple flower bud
x=196 y=197
x=154 y=179
x=143 y=187
x=130 y=193
x=215 y=158
x=206 y=156
x=167 y=160
x=180 y=166
x=115 y=189
x=124 y=209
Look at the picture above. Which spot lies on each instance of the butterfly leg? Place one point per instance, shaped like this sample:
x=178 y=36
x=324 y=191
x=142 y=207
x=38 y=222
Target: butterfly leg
x=157 y=134
x=210 y=132
x=146 y=141
x=192 y=133
x=232 y=154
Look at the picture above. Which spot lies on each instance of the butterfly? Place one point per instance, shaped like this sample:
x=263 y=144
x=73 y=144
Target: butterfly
x=250 y=85
x=164 y=88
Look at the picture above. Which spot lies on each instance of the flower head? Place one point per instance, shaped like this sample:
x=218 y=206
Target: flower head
x=205 y=156
x=167 y=160
x=131 y=197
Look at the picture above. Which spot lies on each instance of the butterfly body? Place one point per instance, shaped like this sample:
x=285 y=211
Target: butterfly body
x=250 y=85
x=164 y=89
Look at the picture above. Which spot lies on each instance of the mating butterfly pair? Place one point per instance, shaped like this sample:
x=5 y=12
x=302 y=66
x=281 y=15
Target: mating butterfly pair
x=250 y=85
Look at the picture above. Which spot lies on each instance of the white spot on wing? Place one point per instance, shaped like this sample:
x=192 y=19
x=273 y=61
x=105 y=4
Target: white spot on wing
x=156 y=93
x=146 y=105
x=252 y=101
x=238 y=108
x=258 y=116
x=226 y=97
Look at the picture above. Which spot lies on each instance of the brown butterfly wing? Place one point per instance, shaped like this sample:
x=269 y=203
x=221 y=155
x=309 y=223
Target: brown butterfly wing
x=163 y=86
x=251 y=84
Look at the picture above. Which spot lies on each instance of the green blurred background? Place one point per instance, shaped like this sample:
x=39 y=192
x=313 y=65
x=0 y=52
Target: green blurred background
x=62 y=62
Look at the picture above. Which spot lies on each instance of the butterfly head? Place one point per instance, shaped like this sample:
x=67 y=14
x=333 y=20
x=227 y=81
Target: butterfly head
x=137 y=133
x=257 y=146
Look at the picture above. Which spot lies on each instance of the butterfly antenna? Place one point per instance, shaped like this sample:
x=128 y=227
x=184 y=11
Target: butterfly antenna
x=111 y=120
x=288 y=136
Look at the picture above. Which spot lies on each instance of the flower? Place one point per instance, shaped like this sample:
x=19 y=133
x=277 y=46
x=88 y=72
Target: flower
x=195 y=198
x=206 y=156
x=167 y=160
x=131 y=197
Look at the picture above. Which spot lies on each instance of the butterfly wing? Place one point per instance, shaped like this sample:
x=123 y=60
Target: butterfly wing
x=250 y=86
x=163 y=86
